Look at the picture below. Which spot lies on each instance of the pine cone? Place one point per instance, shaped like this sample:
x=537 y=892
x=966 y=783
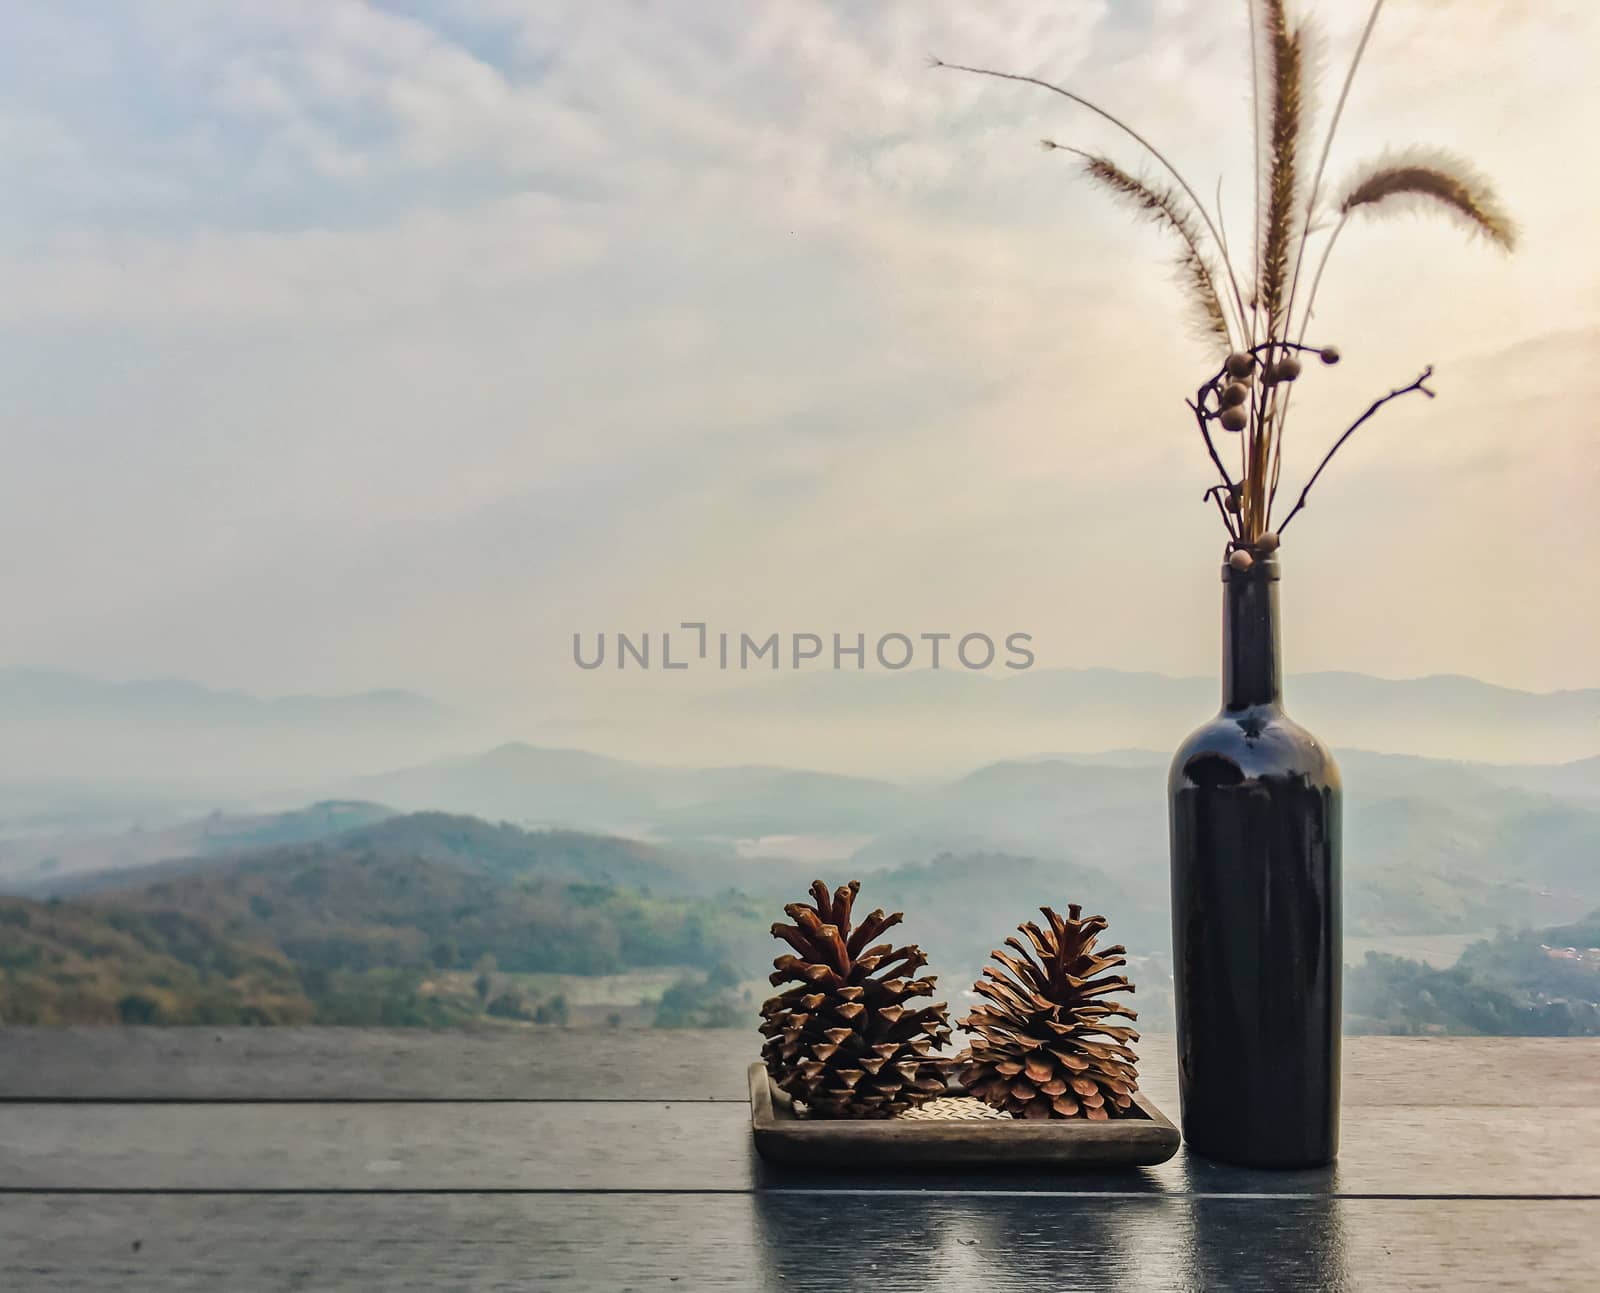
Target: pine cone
x=1041 y=1046
x=842 y=1041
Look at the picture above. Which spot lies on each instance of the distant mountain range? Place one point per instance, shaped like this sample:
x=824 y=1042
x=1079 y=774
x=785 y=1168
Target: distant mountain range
x=1431 y=846
x=1443 y=716
x=41 y=695
x=74 y=744
x=57 y=863
x=71 y=746
x=169 y=846
x=1437 y=846
x=532 y=785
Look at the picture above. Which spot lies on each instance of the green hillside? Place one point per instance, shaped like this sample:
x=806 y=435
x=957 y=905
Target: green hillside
x=425 y=919
x=1526 y=983
x=68 y=963
x=438 y=891
x=441 y=919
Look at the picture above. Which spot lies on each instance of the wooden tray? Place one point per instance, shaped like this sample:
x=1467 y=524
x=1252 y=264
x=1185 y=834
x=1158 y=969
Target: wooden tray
x=968 y=1136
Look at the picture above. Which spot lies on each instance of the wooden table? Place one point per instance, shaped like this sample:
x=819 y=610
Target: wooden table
x=341 y=1158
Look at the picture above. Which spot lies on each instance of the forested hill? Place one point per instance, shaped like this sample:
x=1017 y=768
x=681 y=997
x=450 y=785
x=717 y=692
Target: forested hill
x=444 y=890
x=63 y=962
x=1526 y=982
x=439 y=919
x=380 y=911
x=500 y=850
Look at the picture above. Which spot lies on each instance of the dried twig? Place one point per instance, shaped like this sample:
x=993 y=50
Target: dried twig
x=1215 y=493
x=1205 y=432
x=1227 y=481
x=1418 y=385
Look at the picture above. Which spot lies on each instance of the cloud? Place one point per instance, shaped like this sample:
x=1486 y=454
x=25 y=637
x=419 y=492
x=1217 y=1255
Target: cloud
x=425 y=259
x=314 y=311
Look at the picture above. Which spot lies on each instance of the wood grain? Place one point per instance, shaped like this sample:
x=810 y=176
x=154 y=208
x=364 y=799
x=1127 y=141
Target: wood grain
x=539 y=1063
x=682 y=1243
x=699 y=1146
x=1452 y=1176
x=372 y=1064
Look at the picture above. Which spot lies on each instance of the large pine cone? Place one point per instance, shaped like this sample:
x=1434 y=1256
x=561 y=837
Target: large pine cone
x=1041 y=1046
x=843 y=1042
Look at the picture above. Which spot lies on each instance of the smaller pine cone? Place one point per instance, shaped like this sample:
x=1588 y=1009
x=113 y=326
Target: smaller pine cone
x=1041 y=1044
x=843 y=1041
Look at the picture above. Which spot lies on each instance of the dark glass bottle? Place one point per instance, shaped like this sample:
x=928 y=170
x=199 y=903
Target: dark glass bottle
x=1256 y=933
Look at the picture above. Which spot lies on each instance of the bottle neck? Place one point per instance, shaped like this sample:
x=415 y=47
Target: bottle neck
x=1250 y=652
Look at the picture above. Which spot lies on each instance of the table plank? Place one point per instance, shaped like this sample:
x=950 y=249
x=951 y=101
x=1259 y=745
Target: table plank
x=644 y=1064
x=634 y=1146
x=109 y=1063
x=791 y=1242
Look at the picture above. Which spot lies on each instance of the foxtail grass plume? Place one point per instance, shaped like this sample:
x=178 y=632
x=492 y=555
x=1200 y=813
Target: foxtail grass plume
x=1165 y=206
x=1423 y=181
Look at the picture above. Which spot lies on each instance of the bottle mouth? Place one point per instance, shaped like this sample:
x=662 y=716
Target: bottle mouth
x=1263 y=568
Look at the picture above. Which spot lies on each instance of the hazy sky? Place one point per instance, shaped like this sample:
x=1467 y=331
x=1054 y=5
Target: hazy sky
x=350 y=344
